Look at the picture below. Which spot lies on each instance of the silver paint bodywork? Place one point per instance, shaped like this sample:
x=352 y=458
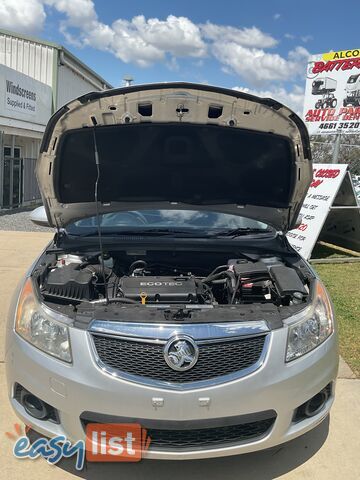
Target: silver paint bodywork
x=86 y=386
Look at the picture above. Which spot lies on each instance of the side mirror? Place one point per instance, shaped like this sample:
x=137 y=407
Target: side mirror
x=38 y=216
x=298 y=222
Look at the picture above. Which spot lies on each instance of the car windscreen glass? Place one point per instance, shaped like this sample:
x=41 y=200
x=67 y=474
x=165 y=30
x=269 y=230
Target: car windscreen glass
x=196 y=164
x=166 y=220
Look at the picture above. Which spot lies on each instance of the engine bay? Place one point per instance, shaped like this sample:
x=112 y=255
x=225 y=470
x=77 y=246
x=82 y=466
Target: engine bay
x=171 y=278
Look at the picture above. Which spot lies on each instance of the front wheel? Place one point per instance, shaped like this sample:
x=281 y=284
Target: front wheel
x=318 y=104
x=333 y=103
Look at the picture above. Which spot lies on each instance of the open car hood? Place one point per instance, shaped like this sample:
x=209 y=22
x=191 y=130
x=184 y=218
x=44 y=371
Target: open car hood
x=174 y=146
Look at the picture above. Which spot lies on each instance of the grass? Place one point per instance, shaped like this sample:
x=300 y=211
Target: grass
x=343 y=284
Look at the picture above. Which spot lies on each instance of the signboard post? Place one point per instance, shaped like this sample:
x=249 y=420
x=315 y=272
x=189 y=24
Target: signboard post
x=332 y=93
x=330 y=193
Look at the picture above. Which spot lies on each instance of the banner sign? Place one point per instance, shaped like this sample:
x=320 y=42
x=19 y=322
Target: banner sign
x=24 y=98
x=327 y=179
x=332 y=93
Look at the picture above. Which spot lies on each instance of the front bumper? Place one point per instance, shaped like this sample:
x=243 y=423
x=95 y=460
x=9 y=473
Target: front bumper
x=84 y=387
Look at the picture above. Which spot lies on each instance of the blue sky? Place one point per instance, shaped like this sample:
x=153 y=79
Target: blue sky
x=259 y=46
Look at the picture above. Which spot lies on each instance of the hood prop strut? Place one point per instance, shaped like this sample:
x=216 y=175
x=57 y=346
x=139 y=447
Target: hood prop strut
x=96 y=192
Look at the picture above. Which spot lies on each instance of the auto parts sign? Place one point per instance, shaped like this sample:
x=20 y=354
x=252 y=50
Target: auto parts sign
x=332 y=93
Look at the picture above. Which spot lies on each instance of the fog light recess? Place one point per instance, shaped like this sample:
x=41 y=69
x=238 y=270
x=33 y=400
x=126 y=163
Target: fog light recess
x=314 y=405
x=34 y=406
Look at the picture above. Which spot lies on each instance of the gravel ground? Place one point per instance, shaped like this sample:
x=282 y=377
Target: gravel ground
x=19 y=219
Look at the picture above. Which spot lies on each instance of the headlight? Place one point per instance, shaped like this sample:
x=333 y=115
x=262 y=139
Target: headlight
x=38 y=327
x=315 y=327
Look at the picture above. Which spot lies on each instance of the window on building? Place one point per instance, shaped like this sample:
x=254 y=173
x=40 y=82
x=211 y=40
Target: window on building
x=12 y=152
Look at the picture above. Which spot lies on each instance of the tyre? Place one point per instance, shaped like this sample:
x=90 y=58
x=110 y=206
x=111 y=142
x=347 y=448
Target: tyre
x=318 y=104
x=333 y=103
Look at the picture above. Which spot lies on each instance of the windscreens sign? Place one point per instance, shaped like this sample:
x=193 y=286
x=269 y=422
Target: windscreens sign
x=332 y=93
x=24 y=98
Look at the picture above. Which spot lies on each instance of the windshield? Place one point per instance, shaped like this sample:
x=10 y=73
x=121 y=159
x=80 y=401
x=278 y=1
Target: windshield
x=191 y=221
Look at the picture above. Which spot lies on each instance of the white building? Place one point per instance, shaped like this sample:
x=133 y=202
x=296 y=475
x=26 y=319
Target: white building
x=36 y=78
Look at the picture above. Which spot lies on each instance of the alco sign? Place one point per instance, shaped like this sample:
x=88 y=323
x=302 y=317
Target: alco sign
x=24 y=98
x=332 y=93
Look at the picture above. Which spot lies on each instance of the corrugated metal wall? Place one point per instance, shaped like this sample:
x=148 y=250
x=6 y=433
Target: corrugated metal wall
x=37 y=61
x=31 y=190
x=27 y=57
x=71 y=85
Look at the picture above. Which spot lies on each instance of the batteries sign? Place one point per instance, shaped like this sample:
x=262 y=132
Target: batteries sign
x=332 y=93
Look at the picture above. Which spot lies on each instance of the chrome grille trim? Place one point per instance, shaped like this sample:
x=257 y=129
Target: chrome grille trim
x=155 y=332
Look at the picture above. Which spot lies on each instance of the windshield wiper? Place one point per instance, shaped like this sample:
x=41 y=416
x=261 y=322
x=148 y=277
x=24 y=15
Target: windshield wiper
x=237 y=232
x=144 y=232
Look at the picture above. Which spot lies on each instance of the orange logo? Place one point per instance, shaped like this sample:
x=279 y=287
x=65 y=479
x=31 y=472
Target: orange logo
x=19 y=431
x=116 y=442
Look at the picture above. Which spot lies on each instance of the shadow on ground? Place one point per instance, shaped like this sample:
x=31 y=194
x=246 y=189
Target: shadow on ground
x=268 y=464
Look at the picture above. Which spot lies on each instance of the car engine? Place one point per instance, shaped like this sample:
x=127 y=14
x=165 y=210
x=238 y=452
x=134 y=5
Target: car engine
x=75 y=279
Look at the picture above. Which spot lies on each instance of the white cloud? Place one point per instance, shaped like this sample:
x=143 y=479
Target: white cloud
x=27 y=16
x=258 y=67
x=141 y=41
x=146 y=41
x=80 y=13
x=177 y=35
x=276 y=16
x=198 y=63
x=307 y=38
x=293 y=98
x=246 y=37
x=173 y=65
x=289 y=36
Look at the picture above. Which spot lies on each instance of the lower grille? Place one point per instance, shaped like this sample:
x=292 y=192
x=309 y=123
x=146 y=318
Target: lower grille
x=143 y=359
x=218 y=433
x=208 y=437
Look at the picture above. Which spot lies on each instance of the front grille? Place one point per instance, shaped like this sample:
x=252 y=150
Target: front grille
x=147 y=359
x=252 y=428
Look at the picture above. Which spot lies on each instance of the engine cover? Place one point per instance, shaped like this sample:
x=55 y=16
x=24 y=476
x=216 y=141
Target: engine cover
x=69 y=282
x=160 y=289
